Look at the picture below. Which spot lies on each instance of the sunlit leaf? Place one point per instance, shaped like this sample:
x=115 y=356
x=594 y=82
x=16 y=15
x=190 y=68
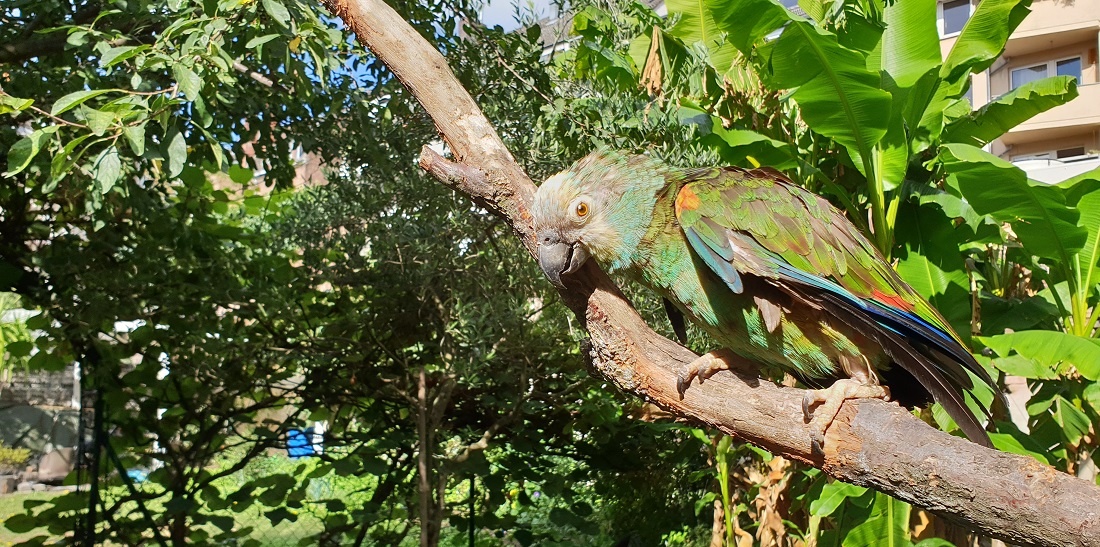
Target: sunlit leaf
x=910 y=46
x=189 y=82
x=697 y=24
x=260 y=40
x=982 y=39
x=25 y=149
x=72 y=100
x=836 y=93
x=1051 y=348
x=887 y=525
x=106 y=169
x=1011 y=109
x=745 y=22
x=277 y=11
x=1037 y=211
x=177 y=153
x=832 y=495
x=9 y=104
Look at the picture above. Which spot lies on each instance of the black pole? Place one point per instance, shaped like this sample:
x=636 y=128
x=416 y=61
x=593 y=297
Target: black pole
x=134 y=492
x=97 y=440
x=472 y=506
x=81 y=457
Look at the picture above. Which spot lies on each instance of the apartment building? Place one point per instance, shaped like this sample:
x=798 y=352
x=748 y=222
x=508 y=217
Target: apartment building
x=1059 y=37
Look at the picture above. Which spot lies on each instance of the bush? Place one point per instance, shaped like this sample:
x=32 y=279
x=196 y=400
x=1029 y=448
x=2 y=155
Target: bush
x=12 y=460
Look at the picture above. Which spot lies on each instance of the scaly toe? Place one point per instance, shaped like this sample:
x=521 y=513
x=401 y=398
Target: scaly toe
x=808 y=400
x=702 y=368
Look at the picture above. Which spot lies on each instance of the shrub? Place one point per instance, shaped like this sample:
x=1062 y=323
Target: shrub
x=12 y=460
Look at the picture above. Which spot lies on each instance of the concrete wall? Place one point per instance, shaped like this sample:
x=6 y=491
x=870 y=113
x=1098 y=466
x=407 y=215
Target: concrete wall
x=36 y=428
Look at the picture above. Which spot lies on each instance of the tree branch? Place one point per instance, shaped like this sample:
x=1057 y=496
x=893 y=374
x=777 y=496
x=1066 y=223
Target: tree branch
x=871 y=443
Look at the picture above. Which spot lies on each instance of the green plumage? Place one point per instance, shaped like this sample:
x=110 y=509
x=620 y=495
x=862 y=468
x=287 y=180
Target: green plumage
x=770 y=271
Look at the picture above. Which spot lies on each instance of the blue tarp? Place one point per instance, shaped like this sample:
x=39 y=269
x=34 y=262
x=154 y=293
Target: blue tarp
x=299 y=443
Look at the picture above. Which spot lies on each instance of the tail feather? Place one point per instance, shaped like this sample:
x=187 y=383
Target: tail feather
x=945 y=379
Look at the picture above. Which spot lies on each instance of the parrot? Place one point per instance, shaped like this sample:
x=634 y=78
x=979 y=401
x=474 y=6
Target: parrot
x=770 y=271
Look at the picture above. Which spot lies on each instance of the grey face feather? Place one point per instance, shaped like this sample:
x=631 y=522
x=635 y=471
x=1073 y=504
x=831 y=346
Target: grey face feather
x=599 y=207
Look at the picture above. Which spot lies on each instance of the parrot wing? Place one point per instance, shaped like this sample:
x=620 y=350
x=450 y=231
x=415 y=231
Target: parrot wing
x=757 y=222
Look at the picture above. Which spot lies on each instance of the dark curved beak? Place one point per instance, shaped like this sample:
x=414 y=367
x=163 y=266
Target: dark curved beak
x=557 y=258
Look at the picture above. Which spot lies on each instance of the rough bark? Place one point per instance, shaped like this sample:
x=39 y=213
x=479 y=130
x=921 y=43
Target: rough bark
x=871 y=443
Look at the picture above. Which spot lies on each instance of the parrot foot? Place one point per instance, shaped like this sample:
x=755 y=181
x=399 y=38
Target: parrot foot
x=830 y=399
x=703 y=367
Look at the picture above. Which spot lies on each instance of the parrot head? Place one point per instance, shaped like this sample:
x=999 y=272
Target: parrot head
x=600 y=208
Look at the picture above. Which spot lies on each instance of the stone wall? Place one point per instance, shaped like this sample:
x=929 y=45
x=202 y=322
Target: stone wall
x=40 y=388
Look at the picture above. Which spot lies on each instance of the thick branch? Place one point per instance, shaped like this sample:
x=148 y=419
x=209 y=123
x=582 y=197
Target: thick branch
x=872 y=443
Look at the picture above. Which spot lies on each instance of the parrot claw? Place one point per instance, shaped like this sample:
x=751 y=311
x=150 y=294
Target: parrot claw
x=703 y=367
x=830 y=400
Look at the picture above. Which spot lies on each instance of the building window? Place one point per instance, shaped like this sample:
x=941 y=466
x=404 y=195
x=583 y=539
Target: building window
x=1069 y=67
x=1021 y=76
x=953 y=16
x=1064 y=67
x=1070 y=152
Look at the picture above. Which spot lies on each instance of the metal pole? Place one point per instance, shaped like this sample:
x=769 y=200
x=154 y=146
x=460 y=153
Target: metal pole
x=472 y=506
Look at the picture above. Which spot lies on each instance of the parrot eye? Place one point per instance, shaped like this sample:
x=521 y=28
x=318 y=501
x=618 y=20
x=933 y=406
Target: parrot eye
x=582 y=209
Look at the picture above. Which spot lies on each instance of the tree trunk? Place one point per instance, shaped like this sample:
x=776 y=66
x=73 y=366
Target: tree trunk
x=429 y=529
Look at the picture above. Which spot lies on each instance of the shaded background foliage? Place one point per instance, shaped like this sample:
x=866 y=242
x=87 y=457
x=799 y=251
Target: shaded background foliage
x=149 y=216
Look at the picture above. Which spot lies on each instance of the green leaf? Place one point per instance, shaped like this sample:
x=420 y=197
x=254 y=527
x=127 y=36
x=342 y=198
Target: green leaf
x=736 y=146
x=119 y=54
x=1037 y=212
x=1074 y=423
x=135 y=137
x=639 y=49
x=1011 y=109
x=64 y=160
x=1085 y=266
x=240 y=175
x=1050 y=348
x=836 y=93
x=20 y=348
x=260 y=40
x=1018 y=365
x=278 y=12
x=72 y=100
x=176 y=152
x=745 y=22
x=189 y=82
x=887 y=525
x=931 y=262
x=946 y=290
x=1092 y=395
x=910 y=46
x=1019 y=443
x=106 y=169
x=982 y=39
x=24 y=150
x=697 y=24
x=832 y=495
x=934 y=542
x=9 y=104
x=98 y=121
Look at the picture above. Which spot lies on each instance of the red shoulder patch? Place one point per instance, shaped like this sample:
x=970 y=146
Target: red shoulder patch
x=686 y=200
x=892 y=300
